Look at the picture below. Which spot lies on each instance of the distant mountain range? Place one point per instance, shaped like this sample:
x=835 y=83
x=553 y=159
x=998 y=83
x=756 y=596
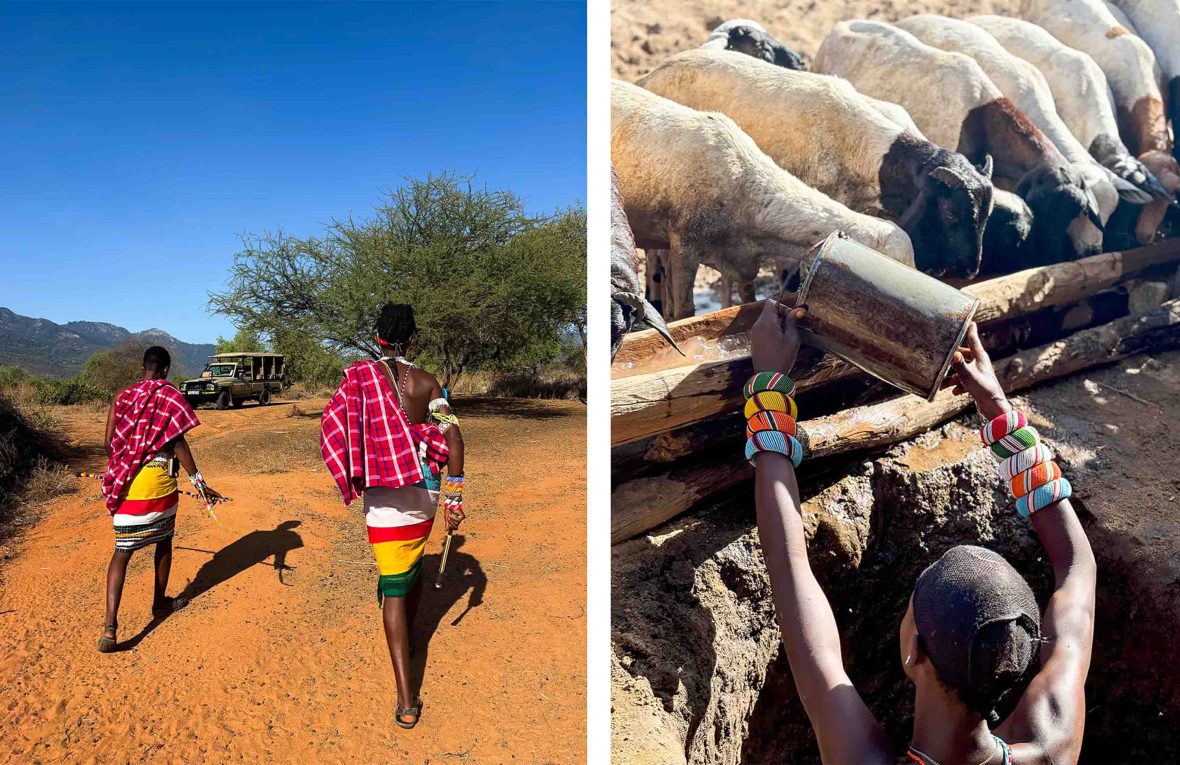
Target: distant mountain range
x=60 y=350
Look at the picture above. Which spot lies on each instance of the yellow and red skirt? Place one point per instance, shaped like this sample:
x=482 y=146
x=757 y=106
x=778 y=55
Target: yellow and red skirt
x=147 y=513
x=399 y=522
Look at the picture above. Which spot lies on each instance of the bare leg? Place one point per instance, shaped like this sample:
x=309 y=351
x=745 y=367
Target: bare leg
x=116 y=575
x=163 y=569
x=397 y=635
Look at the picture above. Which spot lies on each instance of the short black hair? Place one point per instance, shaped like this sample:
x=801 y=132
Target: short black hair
x=396 y=323
x=156 y=359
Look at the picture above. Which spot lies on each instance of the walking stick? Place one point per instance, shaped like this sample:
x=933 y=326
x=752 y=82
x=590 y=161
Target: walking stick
x=443 y=566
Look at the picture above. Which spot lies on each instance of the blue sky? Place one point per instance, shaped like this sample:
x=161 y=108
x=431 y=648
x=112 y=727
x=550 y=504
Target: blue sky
x=138 y=141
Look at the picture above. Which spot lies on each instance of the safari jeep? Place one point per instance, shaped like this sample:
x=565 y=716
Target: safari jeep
x=231 y=378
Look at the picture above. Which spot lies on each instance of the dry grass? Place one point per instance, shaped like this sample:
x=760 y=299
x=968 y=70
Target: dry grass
x=28 y=474
x=553 y=382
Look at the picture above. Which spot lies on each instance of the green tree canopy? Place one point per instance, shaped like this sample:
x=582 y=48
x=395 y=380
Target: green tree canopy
x=246 y=340
x=491 y=286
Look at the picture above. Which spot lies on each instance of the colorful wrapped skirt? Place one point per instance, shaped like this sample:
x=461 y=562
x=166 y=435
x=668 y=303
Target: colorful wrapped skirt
x=147 y=513
x=399 y=522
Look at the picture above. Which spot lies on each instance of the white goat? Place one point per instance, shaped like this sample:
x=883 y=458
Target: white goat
x=831 y=137
x=1133 y=75
x=958 y=107
x=1157 y=22
x=1080 y=92
x=1026 y=87
x=694 y=183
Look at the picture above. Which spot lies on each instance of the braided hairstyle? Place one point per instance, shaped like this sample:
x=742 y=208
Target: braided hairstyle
x=396 y=325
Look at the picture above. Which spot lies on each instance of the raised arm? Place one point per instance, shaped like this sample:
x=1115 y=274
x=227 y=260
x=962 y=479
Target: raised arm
x=844 y=726
x=1051 y=713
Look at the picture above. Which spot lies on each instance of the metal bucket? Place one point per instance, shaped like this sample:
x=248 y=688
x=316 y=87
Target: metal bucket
x=894 y=322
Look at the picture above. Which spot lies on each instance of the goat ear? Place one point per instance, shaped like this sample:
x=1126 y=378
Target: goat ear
x=986 y=168
x=1130 y=193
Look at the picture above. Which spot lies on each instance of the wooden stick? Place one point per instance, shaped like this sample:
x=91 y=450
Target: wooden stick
x=653 y=393
x=644 y=503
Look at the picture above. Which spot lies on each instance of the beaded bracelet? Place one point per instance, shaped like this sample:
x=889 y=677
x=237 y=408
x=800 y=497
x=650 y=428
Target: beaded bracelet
x=1016 y=441
x=1001 y=426
x=1034 y=477
x=772 y=401
x=1043 y=496
x=774 y=441
x=763 y=381
x=761 y=421
x=1022 y=461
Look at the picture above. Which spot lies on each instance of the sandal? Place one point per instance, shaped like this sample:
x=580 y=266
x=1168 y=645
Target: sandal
x=173 y=605
x=415 y=710
x=107 y=644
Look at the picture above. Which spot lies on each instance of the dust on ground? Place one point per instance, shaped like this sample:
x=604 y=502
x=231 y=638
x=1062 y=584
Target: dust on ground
x=645 y=33
x=281 y=657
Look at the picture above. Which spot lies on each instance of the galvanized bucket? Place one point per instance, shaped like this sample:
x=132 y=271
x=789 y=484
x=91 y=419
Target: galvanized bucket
x=894 y=322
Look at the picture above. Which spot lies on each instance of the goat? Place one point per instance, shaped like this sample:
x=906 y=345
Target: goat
x=695 y=184
x=1006 y=238
x=628 y=307
x=1133 y=76
x=958 y=107
x=1080 y=93
x=1157 y=22
x=831 y=137
x=749 y=37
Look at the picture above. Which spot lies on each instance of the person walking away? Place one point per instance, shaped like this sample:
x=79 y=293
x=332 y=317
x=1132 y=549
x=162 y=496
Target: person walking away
x=144 y=442
x=386 y=434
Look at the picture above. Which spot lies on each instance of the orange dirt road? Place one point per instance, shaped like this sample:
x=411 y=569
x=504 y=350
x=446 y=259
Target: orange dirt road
x=281 y=657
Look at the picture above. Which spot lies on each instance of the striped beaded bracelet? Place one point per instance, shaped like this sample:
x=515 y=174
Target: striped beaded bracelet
x=763 y=381
x=1034 y=477
x=1022 y=461
x=1001 y=426
x=770 y=420
x=774 y=441
x=771 y=401
x=1015 y=442
x=1043 y=496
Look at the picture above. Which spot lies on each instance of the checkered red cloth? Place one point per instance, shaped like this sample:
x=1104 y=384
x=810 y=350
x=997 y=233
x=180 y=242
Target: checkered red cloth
x=431 y=445
x=148 y=416
x=365 y=436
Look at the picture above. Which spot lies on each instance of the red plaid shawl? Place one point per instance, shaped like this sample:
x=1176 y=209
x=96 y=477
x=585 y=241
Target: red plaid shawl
x=148 y=416
x=365 y=436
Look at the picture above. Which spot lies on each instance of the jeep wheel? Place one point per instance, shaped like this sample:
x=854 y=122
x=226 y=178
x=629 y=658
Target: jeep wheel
x=264 y=398
x=224 y=400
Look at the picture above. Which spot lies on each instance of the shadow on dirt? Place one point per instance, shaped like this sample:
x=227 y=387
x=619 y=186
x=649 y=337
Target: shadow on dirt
x=464 y=576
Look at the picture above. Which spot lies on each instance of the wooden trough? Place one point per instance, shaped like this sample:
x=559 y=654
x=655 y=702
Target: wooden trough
x=668 y=411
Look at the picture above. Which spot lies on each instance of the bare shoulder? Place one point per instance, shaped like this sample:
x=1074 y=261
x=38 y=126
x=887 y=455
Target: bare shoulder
x=423 y=379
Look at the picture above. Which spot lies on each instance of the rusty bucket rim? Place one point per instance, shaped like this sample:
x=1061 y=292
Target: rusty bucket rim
x=946 y=365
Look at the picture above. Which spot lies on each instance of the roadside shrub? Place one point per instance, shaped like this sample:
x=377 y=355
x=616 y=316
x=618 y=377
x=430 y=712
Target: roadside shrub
x=76 y=390
x=28 y=449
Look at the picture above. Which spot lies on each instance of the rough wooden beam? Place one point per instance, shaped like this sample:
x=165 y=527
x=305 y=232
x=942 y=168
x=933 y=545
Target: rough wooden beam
x=652 y=395
x=644 y=503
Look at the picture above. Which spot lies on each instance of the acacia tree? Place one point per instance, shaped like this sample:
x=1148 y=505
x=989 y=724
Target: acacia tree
x=491 y=286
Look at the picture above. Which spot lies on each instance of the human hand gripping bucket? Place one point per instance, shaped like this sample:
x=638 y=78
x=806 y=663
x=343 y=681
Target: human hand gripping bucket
x=892 y=321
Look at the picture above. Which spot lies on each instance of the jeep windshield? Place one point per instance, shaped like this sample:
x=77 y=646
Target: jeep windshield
x=222 y=370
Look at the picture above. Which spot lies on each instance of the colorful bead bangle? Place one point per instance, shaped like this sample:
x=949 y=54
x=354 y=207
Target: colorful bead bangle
x=1016 y=441
x=763 y=381
x=780 y=421
x=1034 y=477
x=774 y=441
x=1043 y=496
x=1022 y=461
x=1001 y=426
x=772 y=401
